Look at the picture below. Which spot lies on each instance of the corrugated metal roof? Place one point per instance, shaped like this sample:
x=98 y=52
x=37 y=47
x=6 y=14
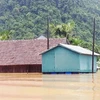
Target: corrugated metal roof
x=78 y=49
x=74 y=48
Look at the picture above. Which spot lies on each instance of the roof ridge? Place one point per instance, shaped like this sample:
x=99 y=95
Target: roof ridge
x=32 y=40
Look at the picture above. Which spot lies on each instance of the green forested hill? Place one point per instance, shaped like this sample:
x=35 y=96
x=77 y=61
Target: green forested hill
x=27 y=18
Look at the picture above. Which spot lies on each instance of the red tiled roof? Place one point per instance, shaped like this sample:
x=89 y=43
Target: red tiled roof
x=19 y=52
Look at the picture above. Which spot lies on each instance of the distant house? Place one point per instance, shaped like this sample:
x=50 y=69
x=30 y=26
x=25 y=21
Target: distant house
x=23 y=55
x=68 y=58
x=42 y=37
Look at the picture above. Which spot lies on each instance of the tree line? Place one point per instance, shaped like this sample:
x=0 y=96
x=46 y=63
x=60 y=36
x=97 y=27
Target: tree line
x=27 y=19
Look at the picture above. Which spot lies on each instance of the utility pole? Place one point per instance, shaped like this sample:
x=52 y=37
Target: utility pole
x=93 y=45
x=48 y=32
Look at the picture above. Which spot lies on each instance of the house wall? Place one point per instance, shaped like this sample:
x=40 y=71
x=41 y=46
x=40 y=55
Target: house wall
x=60 y=59
x=48 y=61
x=86 y=63
x=20 y=68
x=66 y=60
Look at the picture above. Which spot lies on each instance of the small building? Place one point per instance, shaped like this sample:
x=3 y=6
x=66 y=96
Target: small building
x=41 y=37
x=21 y=56
x=68 y=58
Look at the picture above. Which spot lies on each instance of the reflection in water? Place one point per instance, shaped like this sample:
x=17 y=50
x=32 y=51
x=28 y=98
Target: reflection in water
x=93 y=80
x=49 y=87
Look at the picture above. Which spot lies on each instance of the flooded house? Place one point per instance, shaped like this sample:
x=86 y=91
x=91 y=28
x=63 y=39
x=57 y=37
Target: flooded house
x=24 y=55
x=68 y=58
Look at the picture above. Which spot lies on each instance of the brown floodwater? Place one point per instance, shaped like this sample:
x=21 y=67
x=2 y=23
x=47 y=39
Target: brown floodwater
x=28 y=86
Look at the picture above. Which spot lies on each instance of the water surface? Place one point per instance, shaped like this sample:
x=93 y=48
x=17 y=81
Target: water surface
x=28 y=86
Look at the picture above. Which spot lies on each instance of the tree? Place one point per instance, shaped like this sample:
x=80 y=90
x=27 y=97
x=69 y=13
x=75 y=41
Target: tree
x=5 y=35
x=29 y=16
x=64 y=30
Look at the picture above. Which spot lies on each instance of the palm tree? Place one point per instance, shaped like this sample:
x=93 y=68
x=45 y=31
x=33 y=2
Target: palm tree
x=5 y=35
x=65 y=30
